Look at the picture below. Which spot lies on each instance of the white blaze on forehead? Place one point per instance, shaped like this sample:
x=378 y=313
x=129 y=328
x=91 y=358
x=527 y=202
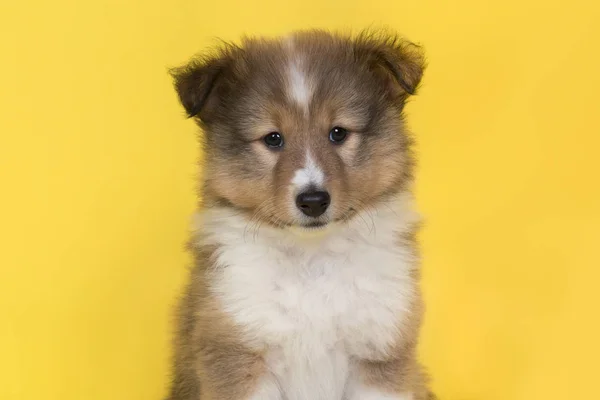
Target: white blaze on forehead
x=299 y=88
x=311 y=174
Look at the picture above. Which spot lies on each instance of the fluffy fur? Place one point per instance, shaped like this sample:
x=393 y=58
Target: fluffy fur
x=281 y=305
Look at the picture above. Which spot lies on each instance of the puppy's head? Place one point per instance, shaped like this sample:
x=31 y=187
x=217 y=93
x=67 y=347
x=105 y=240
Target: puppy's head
x=306 y=130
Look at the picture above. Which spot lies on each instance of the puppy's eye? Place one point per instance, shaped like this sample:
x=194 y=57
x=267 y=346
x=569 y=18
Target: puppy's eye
x=273 y=140
x=338 y=135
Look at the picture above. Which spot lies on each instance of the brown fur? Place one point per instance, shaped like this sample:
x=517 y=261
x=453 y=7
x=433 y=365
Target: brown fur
x=237 y=96
x=207 y=347
x=399 y=371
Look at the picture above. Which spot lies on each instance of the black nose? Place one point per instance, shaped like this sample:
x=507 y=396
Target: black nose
x=313 y=204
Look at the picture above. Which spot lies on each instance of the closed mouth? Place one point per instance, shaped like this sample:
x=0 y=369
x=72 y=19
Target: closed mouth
x=315 y=225
x=322 y=224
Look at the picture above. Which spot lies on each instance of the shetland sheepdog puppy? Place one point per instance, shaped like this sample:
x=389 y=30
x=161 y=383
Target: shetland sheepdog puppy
x=305 y=284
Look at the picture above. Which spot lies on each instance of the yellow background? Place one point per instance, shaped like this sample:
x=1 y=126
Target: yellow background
x=97 y=168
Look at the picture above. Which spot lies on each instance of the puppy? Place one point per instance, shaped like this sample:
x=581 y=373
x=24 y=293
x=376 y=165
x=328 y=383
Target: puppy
x=306 y=276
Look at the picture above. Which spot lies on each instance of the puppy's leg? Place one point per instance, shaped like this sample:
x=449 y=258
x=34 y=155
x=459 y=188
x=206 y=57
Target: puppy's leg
x=210 y=362
x=397 y=379
x=267 y=389
x=232 y=372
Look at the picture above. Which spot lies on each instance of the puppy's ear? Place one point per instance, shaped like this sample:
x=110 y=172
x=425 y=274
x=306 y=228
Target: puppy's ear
x=197 y=82
x=398 y=59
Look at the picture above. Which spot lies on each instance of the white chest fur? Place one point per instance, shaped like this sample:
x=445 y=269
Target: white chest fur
x=315 y=302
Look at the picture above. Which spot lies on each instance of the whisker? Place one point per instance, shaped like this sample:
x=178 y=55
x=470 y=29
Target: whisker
x=362 y=206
